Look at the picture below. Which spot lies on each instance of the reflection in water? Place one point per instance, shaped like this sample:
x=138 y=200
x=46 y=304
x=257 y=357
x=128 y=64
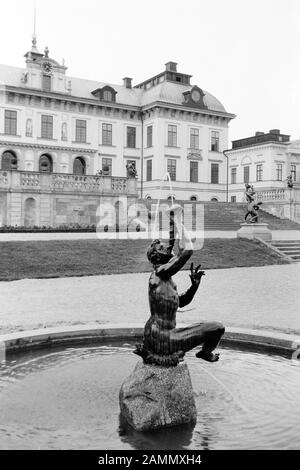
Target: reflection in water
x=177 y=437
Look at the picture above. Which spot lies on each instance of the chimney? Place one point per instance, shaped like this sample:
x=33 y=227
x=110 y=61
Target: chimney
x=127 y=82
x=258 y=133
x=171 y=66
x=274 y=131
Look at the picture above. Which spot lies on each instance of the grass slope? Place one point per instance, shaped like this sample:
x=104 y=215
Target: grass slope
x=44 y=259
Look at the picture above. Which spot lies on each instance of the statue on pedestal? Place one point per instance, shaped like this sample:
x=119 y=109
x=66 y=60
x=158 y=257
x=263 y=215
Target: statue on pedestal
x=159 y=391
x=252 y=205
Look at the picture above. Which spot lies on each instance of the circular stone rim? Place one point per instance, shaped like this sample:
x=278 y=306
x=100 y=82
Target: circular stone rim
x=24 y=341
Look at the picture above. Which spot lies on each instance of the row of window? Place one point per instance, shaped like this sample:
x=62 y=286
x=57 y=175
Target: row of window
x=9 y=161
x=259 y=173
x=194 y=138
x=10 y=126
x=194 y=171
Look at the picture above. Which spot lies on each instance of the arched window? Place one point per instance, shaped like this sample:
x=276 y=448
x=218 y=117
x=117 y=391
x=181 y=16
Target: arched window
x=9 y=161
x=79 y=166
x=193 y=198
x=45 y=164
x=214 y=199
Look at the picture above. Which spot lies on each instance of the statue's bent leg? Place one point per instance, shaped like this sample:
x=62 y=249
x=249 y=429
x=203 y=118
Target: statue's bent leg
x=207 y=334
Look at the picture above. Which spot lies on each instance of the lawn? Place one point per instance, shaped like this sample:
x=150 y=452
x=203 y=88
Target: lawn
x=44 y=259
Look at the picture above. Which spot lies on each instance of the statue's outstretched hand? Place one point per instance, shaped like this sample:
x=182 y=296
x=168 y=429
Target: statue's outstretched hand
x=196 y=275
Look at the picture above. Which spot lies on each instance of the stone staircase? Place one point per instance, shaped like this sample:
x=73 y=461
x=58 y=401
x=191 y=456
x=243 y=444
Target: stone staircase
x=229 y=216
x=289 y=248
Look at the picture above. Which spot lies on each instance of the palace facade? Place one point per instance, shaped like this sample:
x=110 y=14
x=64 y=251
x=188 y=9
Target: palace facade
x=67 y=143
x=271 y=162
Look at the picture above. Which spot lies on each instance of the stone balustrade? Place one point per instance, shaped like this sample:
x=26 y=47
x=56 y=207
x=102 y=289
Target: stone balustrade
x=272 y=195
x=66 y=183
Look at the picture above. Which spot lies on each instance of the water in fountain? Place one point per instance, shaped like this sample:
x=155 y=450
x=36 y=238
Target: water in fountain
x=69 y=399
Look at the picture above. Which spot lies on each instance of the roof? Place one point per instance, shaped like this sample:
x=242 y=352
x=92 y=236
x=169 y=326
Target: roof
x=166 y=92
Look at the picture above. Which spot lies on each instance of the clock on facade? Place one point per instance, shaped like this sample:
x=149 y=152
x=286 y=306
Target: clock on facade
x=47 y=66
x=196 y=95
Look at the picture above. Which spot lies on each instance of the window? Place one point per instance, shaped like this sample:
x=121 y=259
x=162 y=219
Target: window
x=233 y=199
x=149 y=170
x=171 y=168
x=194 y=172
x=9 y=161
x=79 y=166
x=107 y=166
x=107 y=95
x=10 y=125
x=47 y=127
x=46 y=83
x=149 y=136
x=293 y=172
x=172 y=136
x=214 y=141
x=80 y=130
x=194 y=139
x=106 y=134
x=214 y=176
x=233 y=175
x=131 y=137
x=279 y=172
x=259 y=172
x=246 y=174
x=45 y=164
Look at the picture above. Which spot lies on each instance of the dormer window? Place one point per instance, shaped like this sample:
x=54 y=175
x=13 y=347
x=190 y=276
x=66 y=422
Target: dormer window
x=194 y=97
x=107 y=93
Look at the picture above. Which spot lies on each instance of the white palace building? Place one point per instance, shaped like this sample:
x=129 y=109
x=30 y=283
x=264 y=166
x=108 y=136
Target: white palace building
x=65 y=144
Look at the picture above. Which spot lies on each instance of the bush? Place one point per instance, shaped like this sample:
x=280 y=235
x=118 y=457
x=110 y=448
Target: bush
x=59 y=228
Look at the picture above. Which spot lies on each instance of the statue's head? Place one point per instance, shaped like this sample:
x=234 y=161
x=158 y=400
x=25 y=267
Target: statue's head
x=159 y=253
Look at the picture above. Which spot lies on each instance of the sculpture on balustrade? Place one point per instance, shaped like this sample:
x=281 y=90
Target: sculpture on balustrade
x=131 y=170
x=163 y=343
x=290 y=181
x=252 y=204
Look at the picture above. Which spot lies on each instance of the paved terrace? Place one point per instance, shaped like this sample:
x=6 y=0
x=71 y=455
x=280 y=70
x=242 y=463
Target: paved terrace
x=260 y=297
x=14 y=237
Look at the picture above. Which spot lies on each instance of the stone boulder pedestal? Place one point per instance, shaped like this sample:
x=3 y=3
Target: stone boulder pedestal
x=154 y=397
x=254 y=230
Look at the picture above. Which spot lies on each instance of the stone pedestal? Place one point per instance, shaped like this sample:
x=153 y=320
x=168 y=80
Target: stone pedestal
x=154 y=397
x=252 y=231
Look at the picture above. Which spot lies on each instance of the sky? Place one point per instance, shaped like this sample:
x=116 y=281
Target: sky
x=245 y=52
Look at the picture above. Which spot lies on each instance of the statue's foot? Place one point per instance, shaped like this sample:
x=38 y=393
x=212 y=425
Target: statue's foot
x=208 y=356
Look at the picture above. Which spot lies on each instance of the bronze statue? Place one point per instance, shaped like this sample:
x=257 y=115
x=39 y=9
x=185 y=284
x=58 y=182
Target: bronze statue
x=163 y=343
x=252 y=206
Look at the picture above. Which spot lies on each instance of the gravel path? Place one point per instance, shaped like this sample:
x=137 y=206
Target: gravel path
x=260 y=297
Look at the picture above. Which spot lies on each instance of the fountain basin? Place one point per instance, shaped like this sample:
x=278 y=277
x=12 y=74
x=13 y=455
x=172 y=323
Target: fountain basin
x=68 y=399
